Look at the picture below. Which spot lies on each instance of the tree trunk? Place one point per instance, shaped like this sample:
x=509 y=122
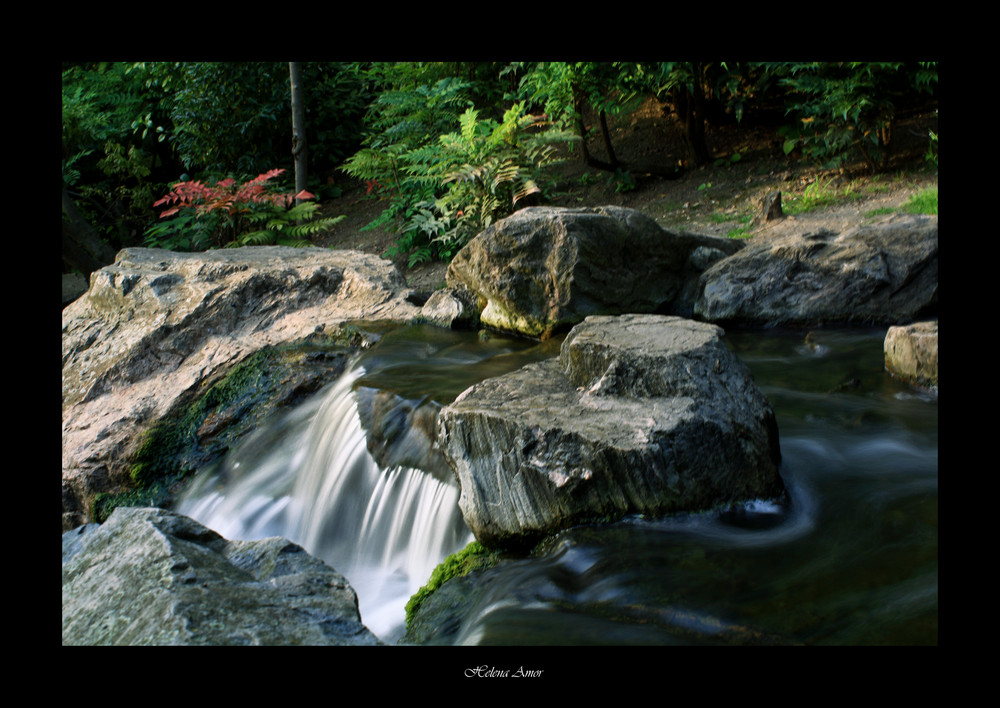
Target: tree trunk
x=689 y=103
x=607 y=140
x=588 y=159
x=298 y=126
x=82 y=248
x=580 y=127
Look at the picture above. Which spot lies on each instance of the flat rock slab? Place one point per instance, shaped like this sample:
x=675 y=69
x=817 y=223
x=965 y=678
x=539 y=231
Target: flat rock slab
x=883 y=273
x=151 y=577
x=640 y=414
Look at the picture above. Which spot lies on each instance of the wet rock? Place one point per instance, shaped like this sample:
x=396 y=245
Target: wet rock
x=451 y=307
x=883 y=273
x=544 y=269
x=400 y=432
x=151 y=577
x=156 y=328
x=640 y=414
x=911 y=353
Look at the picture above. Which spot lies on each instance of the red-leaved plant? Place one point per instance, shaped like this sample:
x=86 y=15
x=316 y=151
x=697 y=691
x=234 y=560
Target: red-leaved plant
x=241 y=205
x=228 y=195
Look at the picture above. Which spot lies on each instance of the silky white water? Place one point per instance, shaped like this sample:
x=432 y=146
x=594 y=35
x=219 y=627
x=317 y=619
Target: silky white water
x=311 y=479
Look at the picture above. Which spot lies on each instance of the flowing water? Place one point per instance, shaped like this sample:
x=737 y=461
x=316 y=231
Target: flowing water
x=852 y=559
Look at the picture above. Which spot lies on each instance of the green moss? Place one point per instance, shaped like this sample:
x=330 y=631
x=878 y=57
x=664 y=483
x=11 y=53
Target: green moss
x=165 y=448
x=475 y=556
x=105 y=502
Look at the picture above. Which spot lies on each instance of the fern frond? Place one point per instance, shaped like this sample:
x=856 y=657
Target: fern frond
x=296 y=243
x=468 y=122
x=256 y=238
x=527 y=189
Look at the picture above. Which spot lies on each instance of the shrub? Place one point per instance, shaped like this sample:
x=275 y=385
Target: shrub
x=234 y=214
x=843 y=106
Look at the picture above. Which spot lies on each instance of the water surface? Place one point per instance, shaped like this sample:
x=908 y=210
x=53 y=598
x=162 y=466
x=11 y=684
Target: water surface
x=851 y=560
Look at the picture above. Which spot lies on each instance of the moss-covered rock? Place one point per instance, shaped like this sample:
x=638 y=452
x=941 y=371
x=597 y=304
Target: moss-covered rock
x=200 y=429
x=473 y=557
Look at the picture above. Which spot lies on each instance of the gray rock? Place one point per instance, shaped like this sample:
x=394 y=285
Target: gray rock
x=156 y=326
x=544 y=269
x=451 y=307
x=640 y=414
x=911 y=353
x=400 y=432
x=883 y=273
x=152 y=577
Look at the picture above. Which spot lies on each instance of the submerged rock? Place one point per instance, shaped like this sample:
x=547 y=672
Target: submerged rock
x=640 y=414
x=911 y=353
x=151 y=577
x=544 y=269
x=157 y=327
x=883 y=273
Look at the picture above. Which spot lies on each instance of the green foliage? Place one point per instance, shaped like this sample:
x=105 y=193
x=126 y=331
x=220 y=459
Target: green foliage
x=623 y=181
x=231 y=115
x=473 y=557
x=487 y=169
x=446 y=186
x=932 y=148
x=841 y=107
x=111 y=162
x=236 y=214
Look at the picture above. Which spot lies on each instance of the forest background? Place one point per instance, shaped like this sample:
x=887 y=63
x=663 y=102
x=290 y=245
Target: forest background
x=198 y=155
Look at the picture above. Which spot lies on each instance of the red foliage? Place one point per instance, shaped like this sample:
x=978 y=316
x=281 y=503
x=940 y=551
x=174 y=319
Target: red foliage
x=228 y=195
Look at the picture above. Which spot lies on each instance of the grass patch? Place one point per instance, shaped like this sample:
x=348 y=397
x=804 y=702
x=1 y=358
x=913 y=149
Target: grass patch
x=923 y=202
x=817 y=195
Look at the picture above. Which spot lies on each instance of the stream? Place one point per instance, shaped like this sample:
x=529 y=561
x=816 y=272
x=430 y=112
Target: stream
x=851 y=560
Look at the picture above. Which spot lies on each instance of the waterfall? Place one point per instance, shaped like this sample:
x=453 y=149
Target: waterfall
x=311 y=479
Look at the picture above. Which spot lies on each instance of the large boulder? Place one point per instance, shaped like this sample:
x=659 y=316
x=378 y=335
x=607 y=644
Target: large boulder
x=151 y=577
x=640 y=414
x=158 y=326
x=544 y=269
x=911 y=353
x=883 y=273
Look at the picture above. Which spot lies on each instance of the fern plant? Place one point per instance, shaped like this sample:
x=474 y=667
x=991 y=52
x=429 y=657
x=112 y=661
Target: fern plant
x=287 y=227
x=487 y=169
x=233 y=214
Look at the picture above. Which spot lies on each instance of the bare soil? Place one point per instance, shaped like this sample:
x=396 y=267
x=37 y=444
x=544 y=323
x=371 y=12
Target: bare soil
x=722 y=198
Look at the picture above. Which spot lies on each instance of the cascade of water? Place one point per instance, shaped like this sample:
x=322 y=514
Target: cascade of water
x=311 y=479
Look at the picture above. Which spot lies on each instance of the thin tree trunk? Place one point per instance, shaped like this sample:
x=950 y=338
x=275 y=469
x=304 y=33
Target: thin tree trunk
x=580 y=127
x=588 y=159
x=607 y=140
x=690 y=106
x=299 y=152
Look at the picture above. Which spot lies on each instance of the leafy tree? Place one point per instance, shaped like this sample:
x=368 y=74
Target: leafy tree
x=404 y=119
x=231 y=116
x=112 y=163
x=840 y=107
x=688 y=86
x=566 y=90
